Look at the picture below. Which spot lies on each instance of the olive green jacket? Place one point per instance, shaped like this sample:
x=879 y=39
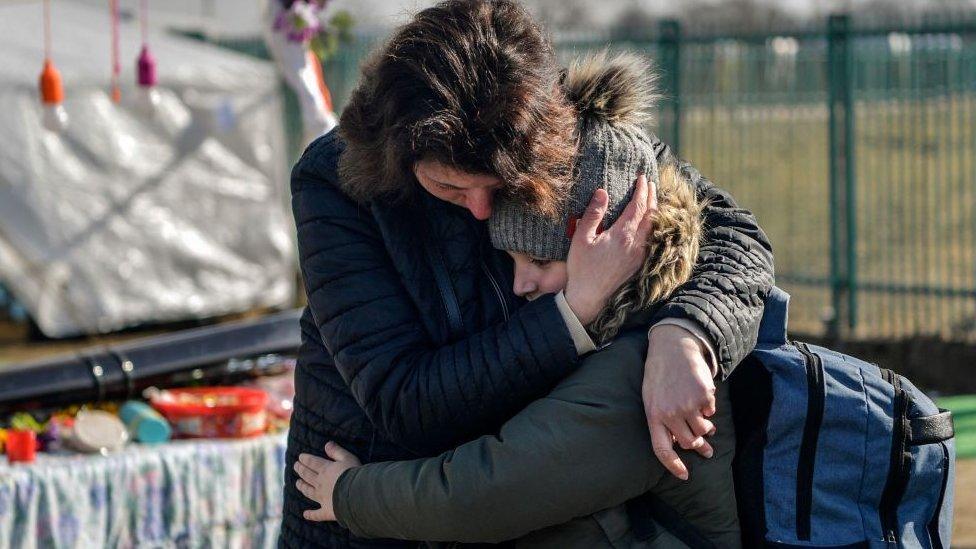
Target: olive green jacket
x=556 y=475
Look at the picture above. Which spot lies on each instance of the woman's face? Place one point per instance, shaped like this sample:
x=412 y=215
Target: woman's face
x=468 y=190
x=535 y=277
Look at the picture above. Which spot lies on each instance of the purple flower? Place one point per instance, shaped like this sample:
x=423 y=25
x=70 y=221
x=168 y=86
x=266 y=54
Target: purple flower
x=300 y=22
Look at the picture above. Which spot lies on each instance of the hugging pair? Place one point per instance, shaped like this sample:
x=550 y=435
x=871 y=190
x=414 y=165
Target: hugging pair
x=566 y=469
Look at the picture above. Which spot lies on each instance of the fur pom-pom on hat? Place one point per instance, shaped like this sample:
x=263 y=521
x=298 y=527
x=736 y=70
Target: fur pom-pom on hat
x=615 y=87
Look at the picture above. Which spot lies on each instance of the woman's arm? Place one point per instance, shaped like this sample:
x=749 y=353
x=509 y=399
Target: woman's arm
x=580 y=449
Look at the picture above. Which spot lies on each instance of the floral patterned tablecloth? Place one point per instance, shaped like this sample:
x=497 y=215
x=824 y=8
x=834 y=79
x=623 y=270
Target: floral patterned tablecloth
x=181 y=494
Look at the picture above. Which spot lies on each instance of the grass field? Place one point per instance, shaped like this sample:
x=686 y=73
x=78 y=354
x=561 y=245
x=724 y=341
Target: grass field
x=915 y=169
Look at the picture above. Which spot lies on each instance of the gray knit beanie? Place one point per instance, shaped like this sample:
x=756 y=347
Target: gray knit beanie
x=614 y=96
x=610 y=157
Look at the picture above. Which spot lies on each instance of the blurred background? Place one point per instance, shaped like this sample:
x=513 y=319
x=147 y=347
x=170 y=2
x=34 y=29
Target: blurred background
x=848 y=127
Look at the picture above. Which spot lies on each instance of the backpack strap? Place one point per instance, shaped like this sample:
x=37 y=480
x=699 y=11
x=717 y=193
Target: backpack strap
x=931 y=429
x=772 y=327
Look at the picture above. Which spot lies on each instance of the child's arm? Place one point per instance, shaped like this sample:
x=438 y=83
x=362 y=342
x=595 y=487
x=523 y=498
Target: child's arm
x=582 y=448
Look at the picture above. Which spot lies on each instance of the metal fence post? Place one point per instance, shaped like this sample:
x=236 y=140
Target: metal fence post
x=843 y=192
x=669 y=48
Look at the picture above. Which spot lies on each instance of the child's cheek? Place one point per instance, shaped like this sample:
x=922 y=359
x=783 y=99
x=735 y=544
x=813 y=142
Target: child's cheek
x=557 y=277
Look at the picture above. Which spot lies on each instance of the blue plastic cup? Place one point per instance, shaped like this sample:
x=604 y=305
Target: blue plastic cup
x=144 y=423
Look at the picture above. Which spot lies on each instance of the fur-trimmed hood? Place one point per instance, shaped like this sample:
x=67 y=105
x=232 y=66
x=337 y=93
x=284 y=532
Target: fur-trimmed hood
x=619 y=88
x=673 y=246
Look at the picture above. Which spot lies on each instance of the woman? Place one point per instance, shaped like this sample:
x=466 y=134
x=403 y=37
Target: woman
x=581 y=450
x=412 y=342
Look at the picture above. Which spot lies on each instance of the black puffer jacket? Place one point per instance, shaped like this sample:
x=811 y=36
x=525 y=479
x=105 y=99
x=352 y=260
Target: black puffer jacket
x=413 y=341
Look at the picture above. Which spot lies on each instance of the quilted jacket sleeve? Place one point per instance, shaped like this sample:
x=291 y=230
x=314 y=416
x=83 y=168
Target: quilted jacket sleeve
x=423 y=397
x=732 y=276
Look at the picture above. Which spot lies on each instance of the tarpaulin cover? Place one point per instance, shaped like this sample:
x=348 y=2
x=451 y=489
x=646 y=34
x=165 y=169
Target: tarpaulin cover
x=132 y=214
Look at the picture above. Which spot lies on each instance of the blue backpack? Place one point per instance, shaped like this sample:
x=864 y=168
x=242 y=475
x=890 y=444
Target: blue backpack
x=834 y=451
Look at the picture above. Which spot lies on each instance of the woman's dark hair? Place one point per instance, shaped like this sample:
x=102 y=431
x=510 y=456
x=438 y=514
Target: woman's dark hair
x=469 y=83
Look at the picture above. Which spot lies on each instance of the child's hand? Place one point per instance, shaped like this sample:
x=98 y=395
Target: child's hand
x=600 y=262
x=317 y=478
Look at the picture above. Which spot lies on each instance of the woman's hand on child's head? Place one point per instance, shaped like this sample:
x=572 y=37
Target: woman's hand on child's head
x=601 y=262
x=679 y=396
x=317 y=478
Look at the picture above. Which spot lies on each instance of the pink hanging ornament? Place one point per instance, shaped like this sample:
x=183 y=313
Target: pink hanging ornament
x=148 y=96
x=146 y=68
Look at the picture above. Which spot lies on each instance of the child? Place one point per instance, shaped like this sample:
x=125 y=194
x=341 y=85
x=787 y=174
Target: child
x=560 y=473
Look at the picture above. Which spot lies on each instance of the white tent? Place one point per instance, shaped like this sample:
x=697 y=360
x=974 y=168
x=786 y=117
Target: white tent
x=130 y=216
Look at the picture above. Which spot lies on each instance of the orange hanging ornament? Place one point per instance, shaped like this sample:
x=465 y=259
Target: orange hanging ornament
x=52 y=90
x=51 y=87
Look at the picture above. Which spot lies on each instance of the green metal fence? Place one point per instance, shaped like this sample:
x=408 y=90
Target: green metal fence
x=855 y=147
x=854 y=144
